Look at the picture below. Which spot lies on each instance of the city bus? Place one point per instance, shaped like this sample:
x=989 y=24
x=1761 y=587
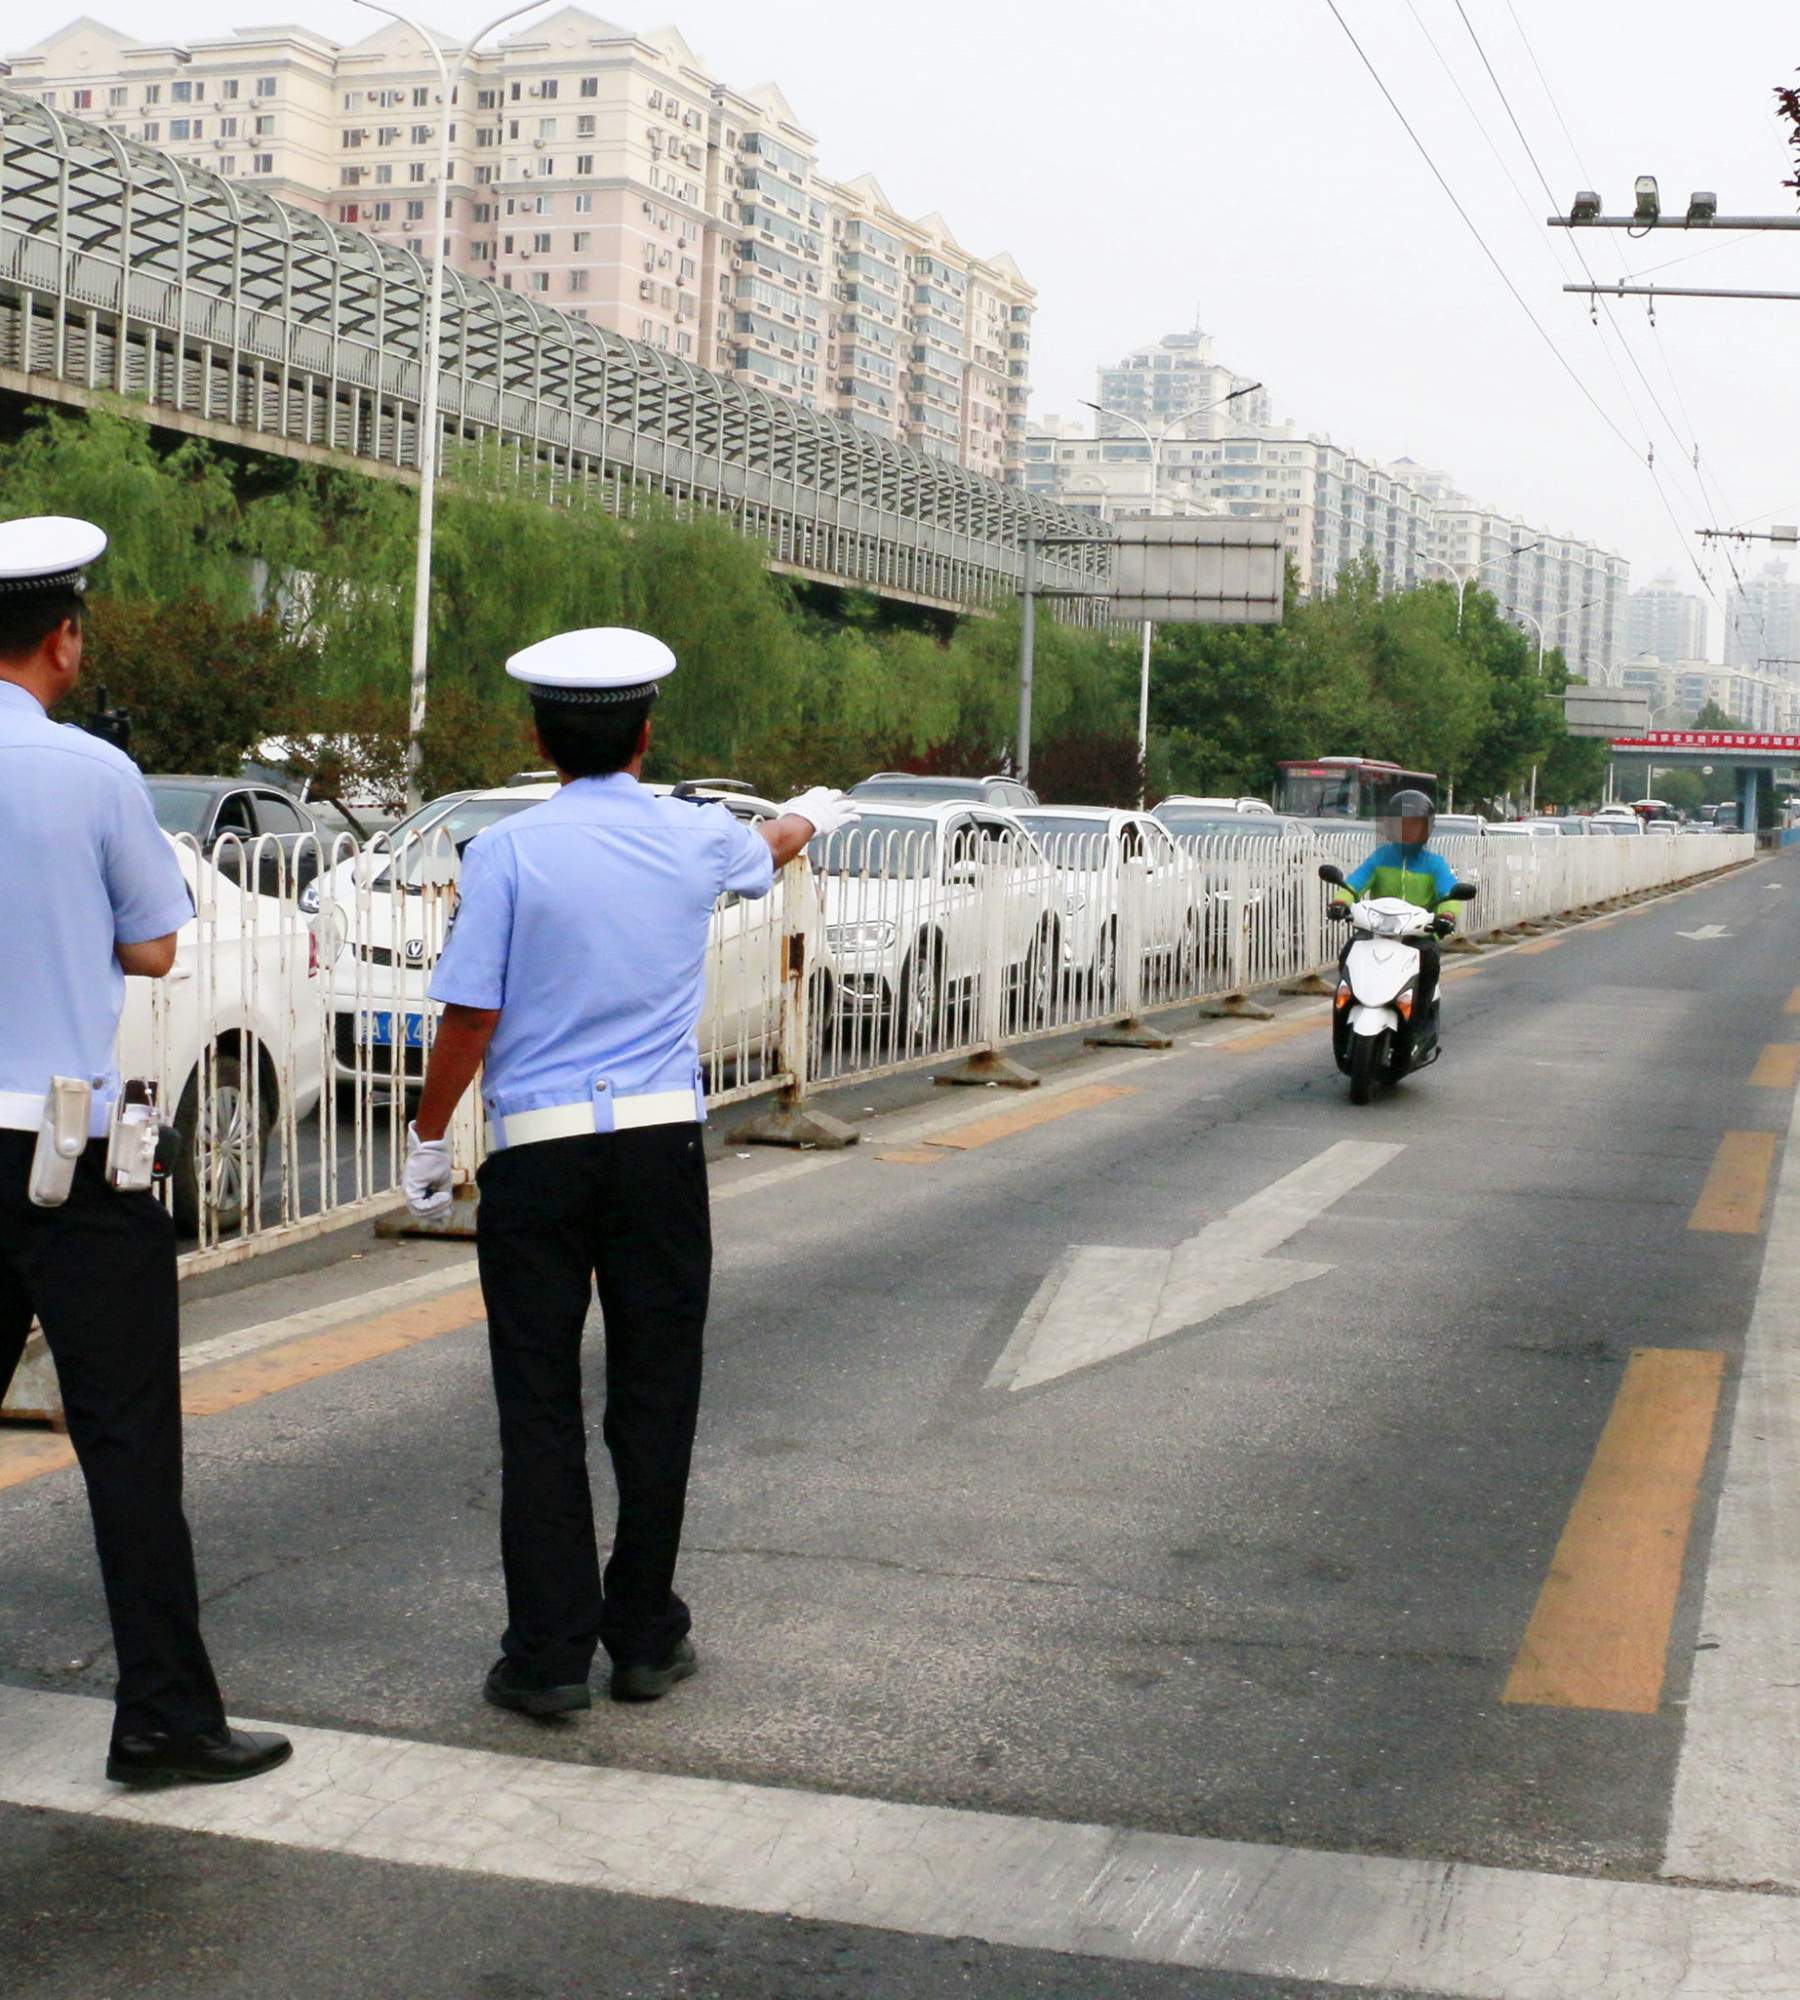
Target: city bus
x=1344 y=789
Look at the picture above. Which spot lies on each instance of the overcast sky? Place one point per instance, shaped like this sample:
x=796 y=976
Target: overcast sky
x=1154 y=162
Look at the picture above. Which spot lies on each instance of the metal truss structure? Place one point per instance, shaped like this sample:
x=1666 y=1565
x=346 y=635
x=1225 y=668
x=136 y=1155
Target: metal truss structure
x=124 y=271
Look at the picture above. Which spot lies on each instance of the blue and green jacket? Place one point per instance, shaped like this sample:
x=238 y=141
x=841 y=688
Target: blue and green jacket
x=1414 y=874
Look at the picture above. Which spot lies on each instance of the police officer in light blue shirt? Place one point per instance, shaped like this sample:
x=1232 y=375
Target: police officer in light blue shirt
x=575 y=967
x=92 y=892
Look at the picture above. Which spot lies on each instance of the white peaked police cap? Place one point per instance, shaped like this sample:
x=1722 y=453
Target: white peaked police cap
x=605 y=663
x=47 y=552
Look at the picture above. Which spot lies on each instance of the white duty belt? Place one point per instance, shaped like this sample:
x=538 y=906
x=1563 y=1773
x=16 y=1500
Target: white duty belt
x=605 y=1111
x=23 y=1111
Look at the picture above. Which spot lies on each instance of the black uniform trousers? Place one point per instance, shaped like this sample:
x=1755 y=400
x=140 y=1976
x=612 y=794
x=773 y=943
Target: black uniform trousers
x=629 y=1209
x=99 y=1272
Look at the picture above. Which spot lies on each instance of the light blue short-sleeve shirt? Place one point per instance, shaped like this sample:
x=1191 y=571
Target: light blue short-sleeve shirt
x=585 y=922
x=83 y=867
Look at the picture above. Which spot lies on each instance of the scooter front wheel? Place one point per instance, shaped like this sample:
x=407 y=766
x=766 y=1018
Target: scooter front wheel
x=1365 y=1059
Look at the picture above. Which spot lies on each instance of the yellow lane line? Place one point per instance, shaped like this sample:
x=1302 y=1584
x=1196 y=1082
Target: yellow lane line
x=1731 y=1202
x=1539 y=944
x=1268 y=1038
x=1036 y=1111
x=913 y=1156
x=1599 y=1637
x=208 y=1391
x=1778 y=1067
x=230 y=1384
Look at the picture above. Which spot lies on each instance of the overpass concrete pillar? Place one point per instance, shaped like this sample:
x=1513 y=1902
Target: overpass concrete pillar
x=1749 y=783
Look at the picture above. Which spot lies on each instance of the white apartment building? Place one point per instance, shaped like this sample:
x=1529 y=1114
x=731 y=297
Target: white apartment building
x=608 y=175
x=1665 y=622
x=1171 y=378
x=1759 y=701
x=1762 y=618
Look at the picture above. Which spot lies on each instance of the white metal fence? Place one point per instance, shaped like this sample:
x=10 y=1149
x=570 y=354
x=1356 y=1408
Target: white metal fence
x=289 y=1040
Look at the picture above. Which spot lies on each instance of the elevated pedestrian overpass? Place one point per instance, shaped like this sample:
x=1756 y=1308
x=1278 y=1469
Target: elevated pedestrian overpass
x=227 y=314
x=1747 y=753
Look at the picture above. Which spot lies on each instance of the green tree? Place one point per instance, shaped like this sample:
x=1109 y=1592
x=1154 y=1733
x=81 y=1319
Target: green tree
x=1712 y=716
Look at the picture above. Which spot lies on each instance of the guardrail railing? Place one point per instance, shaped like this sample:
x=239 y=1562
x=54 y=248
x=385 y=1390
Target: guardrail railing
x=289 y=1040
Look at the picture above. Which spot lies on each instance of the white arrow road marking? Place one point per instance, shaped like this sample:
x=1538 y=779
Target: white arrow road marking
x=1706 y=934
x=1098 y=1302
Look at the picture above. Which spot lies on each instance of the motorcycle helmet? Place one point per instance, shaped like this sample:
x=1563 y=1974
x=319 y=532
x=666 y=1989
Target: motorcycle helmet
x=1407 y=819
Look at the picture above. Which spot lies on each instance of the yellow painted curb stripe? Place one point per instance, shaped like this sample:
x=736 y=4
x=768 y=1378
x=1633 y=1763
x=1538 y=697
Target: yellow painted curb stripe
x=1599 y=1637
x=1268 y=1038
x=210 y=1390
x=913 y=1156
x=1539 y=944
x=1038 y=1111
x=1793 y=1002
x=1731 y=1202
x=1778 y=1067
x=29 y=1455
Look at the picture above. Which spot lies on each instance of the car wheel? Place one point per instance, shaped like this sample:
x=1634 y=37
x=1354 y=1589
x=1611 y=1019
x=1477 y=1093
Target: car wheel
x=1034 y=996
x=211 y=1183
x=1105 y=971
x=918 y=1017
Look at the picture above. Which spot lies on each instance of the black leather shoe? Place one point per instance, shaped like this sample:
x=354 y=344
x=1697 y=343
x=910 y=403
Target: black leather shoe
x=651 y=1683
x=212 y=1757
x=504 y=1689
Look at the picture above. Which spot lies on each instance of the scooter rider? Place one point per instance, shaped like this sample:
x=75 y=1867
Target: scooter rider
x=1405 y=866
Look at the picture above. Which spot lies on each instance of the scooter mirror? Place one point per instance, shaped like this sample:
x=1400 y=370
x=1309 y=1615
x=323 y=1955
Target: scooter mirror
x=1462 y=892
x=1330 y=872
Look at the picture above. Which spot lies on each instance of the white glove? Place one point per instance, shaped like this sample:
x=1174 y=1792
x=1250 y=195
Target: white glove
x=426 y=1175
x=824 y=810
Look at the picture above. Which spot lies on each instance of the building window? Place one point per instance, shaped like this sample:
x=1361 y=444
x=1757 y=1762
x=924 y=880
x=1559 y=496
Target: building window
x=228 y=165
x=262 y=163
x=350 y=136
x=585 y=126
x=152 y=94
x=540 y=243
x=387 y=135
x=415 y=211
x=421 y=135
x=484 y=176
x=384 y=176
x=421 y=94
x=182 y=128
x=265 y=127
x=118 y=95
x=481 y=252
x=584 y=204
x=578 y=281
x=381 y=211
x=590 y=86
x=547 y=167
x=83 y=100
x=584 y=163
x=512 y=128
x=517 y=91
x=540 y=281
x=182 y=92
x=548 y=87
x=228 y=128
x=152 y=132
x=348 y=176
x=484 y=211
x=266 y=86
x=581 y=240
x=546 y=128
x=416 y=173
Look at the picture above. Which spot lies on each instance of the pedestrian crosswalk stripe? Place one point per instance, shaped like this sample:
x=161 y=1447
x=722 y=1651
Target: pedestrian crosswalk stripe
x=1373 y=1922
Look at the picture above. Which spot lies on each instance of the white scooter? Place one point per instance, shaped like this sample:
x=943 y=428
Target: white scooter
x=1374 y=1034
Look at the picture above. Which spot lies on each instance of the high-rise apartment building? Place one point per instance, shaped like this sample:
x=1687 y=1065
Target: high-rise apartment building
x=1335 y=506
x=1762 y=619
x=1174 y=376
x=608 y=175
x=1666 y=622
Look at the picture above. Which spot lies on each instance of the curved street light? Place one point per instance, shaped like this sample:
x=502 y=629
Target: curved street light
x=449 y=81
x=1156 y=441
x=1463 y=578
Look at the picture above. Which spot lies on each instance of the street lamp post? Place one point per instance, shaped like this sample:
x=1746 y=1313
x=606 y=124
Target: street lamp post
x=449 y=81
x=1155 y=442
x=1537 y=627
x=1463 y=579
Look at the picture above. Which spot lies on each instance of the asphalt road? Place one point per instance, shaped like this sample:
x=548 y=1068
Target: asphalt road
x=1260 y=1578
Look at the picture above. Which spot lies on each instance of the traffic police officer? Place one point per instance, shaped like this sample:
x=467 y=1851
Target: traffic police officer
x=575 y=966
x=92 y=891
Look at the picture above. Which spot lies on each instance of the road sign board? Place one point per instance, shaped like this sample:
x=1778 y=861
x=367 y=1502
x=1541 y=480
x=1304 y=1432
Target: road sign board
x=1604 y=711
x=1765 y=743
x=1199 y=572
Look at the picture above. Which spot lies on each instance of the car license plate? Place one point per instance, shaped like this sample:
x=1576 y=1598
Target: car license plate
x=378 y=1028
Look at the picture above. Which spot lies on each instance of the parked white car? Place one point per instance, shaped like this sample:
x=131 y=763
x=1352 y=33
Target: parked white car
x=234 y=1037
x=905 y=896
x=386 y=913
x=1088 y=847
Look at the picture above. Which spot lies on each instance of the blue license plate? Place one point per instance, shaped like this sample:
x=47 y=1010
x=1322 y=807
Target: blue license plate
x=379 y=1029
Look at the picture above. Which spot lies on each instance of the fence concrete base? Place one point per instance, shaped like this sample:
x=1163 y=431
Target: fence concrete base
x=1235 y=1007
x=790 y=1122
x=989 y=1066
x=1461 y=945
x=34 y=1396
x=1130 y=1033
x=1309 y=986
x=456 y=1224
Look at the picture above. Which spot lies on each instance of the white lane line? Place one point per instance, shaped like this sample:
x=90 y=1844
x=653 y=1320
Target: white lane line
x=317 y=1319
x=1100 y=1892
x=1736 y=1812
x=1099 y=1301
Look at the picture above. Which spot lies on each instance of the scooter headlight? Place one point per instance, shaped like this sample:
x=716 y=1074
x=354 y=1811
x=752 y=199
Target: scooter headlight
x=1343 y=993
x=1405 y=1002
